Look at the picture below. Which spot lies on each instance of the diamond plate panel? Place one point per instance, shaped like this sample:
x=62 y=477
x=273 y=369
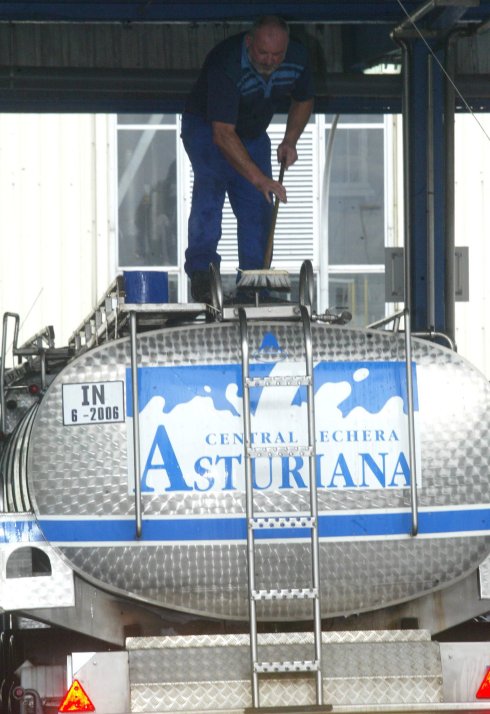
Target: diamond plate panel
x=275 y=638
x=190 y=697
x=232 y=696
x=23 y=593
x=484 y=579
x=359 y=668
x=383 y=690
x=341 y=660
x=82 y=471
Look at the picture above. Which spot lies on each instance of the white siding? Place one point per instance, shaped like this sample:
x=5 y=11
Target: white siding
x=57 y=212
x=56 y=245
x=472 y=229
x=472 y=213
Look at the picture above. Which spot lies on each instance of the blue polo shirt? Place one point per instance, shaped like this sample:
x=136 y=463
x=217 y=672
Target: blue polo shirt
x=230 y=90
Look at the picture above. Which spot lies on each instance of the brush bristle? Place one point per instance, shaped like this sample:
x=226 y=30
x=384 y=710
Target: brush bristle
x=272 y=279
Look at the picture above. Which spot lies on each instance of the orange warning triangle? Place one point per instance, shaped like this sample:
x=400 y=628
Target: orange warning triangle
x=484 y=691
x=76 y=700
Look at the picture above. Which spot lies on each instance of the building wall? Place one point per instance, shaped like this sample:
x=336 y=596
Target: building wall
x=56 y=230
x=58 y=210
x=472 y=228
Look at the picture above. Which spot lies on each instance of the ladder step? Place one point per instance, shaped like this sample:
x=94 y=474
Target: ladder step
x=295 y=666
x=282 y=522
x=286 y=594
x=300 y=709
x=283 y=381
x=268 y=451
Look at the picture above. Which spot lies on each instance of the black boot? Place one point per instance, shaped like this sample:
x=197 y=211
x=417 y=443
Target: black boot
x=201 y=286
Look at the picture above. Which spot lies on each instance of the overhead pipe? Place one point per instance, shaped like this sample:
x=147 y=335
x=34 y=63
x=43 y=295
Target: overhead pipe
x=431 y=288
x=325 y=213
x=407 y=167
x=449 y=220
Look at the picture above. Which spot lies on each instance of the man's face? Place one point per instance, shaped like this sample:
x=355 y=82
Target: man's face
x=267 y=49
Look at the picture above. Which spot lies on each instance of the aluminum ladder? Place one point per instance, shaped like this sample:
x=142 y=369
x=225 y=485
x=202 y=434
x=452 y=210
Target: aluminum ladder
x=276 y=520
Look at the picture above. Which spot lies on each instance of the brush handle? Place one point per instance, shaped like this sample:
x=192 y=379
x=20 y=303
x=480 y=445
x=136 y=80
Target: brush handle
x=270 y=238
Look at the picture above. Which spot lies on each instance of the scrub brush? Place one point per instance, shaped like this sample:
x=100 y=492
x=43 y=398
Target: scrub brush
x=268 y=277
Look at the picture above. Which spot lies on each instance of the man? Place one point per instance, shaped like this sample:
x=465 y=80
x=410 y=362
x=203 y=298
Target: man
x=242 y=83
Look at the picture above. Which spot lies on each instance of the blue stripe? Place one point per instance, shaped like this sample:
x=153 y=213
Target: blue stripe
x=216 y=529
x=114 y=530
x=20 y=531
x=285 y=73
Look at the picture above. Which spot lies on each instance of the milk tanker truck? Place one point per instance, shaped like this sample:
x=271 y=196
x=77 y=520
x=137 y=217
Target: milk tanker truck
x=295 y=508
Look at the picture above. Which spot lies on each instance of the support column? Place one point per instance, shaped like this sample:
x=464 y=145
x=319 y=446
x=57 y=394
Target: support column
x=425 y=149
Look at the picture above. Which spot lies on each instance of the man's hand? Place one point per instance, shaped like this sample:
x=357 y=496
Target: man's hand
x=270 y=188
x=286 y=152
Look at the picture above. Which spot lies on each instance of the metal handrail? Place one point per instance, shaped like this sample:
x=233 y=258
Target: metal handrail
x=96 y=325
x=249 y=498
x=6 y=316
x=411 y=425
x=412 y=461
x=315 y=556
x=306 y=284
x=247 y=442
x=396 y=319
x=34 y=345
x=216 y=290
x=136 y=423
x=432 y=334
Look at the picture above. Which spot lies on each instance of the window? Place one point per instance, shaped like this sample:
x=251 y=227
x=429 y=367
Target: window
x=147 y=194
x=342 y=233
x=356 y=210
x=362 y=294
x=356 y=218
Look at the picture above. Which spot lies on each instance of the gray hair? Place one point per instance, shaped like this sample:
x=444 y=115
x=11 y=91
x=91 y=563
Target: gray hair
x=269 y=21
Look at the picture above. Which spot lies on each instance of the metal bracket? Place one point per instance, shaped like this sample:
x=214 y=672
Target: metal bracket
x=395 y=274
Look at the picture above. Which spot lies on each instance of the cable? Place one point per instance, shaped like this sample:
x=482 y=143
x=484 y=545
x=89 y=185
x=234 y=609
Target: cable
x=443 y=70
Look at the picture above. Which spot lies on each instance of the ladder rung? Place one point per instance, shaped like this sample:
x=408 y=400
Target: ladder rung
x=260 y=522
x=268 y=451
x=296 y=666
x=284 y=381
x=281 y=709
x=286 y=594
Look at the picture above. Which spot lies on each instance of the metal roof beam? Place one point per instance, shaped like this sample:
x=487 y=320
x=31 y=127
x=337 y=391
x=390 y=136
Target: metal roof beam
x=349 y=11
x=458 y=9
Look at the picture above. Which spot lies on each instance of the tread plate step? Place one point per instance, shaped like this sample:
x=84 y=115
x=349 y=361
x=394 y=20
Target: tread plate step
x=286 y=594
x=299 y=521
x=289 y=667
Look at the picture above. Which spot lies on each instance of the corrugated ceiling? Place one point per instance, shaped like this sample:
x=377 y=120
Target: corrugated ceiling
x=142 y=55
x=345 y=11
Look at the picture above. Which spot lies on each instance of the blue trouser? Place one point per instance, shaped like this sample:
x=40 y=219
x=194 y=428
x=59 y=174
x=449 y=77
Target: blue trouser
x=213 y=178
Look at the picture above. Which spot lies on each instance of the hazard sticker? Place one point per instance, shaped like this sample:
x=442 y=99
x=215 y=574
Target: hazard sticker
x=76 y=700
x=484 y=689
x=93 y=403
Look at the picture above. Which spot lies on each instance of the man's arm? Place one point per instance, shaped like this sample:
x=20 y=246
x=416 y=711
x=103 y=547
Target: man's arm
x=230 y=144
x=299 y=114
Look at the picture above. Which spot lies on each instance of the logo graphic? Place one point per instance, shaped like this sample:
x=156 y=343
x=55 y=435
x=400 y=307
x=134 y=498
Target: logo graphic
x=191 y=426
x=269 y=349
